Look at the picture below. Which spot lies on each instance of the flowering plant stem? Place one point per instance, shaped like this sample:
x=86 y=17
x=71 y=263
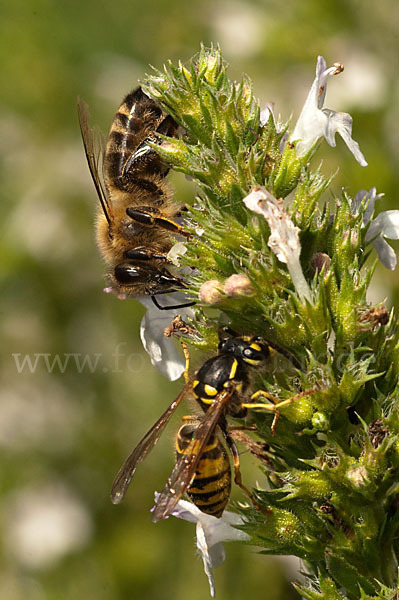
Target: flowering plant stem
x=332 y=465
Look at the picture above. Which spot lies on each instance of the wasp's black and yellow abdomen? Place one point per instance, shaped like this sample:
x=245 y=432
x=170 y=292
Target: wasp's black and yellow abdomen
x=211 y=486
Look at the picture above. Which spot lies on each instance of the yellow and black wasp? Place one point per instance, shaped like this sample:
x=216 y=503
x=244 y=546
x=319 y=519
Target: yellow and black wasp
x=219 y=386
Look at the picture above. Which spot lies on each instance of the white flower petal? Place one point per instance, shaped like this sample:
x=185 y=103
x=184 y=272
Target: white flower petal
x=339 y=122
x=387 y=223
x=222 y=530
x=211 y=532
x=217 y=555
x=255 y=199
x=266 y=113
x=163 y=351
x=319 y=87
x=284 y=235
x=184 y=510
x=283 y=239
x=369 y=199
x=203 y=548
x=386 y=254
x=176 y=251
x=308 y=130
x=264 y=116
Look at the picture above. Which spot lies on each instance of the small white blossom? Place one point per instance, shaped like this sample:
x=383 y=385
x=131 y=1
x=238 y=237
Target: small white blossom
x=162 y=350
x=177 y=250
x=284 y=238
x=368 y=199
x=266 y=113
x=315 y=121
x=385 y=225
x=211 y=532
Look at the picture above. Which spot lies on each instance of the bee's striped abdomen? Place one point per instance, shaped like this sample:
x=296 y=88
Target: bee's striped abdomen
x=128 y=157
x=211 y=486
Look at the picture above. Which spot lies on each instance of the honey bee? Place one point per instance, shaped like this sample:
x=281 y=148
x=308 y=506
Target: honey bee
x=219 y=387
x=135 y=217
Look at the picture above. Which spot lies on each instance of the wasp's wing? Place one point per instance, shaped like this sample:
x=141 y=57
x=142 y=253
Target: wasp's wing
x=146 y=444
x=186 y=465
x=94 y=145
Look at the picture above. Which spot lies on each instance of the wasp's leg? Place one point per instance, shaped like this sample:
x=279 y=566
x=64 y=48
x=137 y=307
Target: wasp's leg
x=273 y=399
x=232 y=428
x=147 y=216
x=189 y=418
x=237 y=472
x=260 y=450
x=277 y=404
x=187 y=366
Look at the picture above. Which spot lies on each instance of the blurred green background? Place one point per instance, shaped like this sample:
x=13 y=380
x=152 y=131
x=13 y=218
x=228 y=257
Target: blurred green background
x=63 y=435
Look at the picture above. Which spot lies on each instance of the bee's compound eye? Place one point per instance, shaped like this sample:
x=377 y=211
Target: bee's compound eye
x=126 y=274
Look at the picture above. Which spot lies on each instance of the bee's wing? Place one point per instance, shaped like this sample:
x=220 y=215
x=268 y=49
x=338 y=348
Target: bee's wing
x=146 y=444
x=94 y=144
x=186 y=465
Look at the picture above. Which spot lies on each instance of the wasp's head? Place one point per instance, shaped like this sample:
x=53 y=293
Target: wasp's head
x=253 y=350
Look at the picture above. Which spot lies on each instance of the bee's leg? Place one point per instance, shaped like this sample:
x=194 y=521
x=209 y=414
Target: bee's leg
x=142 y=163
x=181 y=210
x=169 y=307
x=168 y=126
x=237 y=472
x=143 y=253
x=176 y=284
x=145 y=159
x=277 y=404
x=147 y=216
x=127 y=180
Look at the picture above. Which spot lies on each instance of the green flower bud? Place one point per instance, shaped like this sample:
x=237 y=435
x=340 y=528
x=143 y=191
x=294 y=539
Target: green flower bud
x=238 y=285
x=320 y=421
x=312 y=484
x=358 y=477
x=288 y=172
x=210 y=292
x=284 y=525
x=300 y=411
